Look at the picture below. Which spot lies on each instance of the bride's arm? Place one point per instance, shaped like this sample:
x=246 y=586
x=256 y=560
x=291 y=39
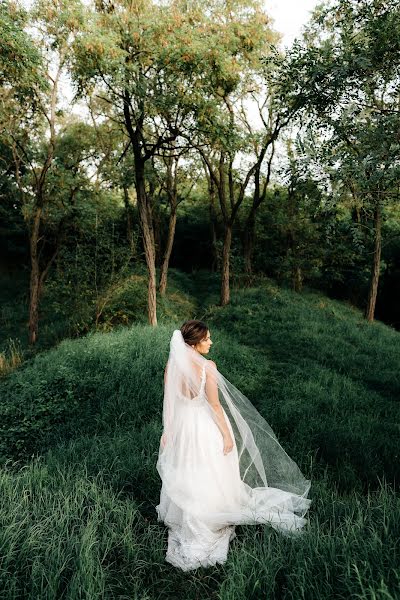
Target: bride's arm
x=164 y=437
x=212 y=397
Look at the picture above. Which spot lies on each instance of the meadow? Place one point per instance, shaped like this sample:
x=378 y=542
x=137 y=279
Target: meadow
x=79 y=437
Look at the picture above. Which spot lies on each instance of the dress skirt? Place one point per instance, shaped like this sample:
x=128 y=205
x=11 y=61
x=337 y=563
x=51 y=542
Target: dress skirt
x=203 y=497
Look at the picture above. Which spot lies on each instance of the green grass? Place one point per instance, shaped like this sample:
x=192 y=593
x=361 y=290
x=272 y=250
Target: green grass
x=79 y=435
x=67 y=310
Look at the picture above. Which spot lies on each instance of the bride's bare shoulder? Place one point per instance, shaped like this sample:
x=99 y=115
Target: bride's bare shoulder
x=210 y=364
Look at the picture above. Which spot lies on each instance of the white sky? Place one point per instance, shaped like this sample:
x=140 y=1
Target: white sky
x=289 y=16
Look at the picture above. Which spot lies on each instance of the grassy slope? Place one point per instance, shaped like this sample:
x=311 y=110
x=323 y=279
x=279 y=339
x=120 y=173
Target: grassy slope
x=67 y=312
x=79 y=520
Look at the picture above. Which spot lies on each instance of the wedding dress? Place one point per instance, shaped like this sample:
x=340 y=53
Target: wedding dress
x=205 y=492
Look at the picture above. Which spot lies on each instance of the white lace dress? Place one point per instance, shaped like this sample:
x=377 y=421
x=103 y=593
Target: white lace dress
x=205 y=497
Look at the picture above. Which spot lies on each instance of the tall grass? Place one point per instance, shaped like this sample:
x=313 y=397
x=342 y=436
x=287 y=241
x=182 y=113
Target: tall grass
x=11 y=358
x=79 y=437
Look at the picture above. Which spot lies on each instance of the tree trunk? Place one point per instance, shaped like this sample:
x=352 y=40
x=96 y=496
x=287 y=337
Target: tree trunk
x=148 y=241
x=157 y=239
x=144 y=205
x=214 y=244
x=297 y=278
x=34 y=279
x=129 y=227
x=259 y=196
x=248 y=245
x=154 y=222
x=213 y=224
x=374 y=283
x=34 y=305
x=230 y=201
x=225 y=290
x=167 y=254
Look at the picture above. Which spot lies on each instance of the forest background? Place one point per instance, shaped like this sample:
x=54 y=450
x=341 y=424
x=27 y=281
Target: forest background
x=199 y=170
x=203 y=145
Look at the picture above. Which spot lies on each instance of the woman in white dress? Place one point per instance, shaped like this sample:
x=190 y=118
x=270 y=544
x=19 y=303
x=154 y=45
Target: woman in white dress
x=219 y=461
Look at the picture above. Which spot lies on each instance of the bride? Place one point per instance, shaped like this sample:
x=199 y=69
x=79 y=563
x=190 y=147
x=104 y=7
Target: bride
x=219 y=461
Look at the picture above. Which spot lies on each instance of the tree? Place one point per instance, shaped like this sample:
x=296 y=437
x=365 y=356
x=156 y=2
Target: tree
x=224 y=144
x=303 y=200
x=29 y=120
x=165 y=68
x=349 y=64
x=177 y=183
x=146 y=60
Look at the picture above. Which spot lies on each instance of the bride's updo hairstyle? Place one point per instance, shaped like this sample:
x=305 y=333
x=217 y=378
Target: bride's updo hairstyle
x=194 y=331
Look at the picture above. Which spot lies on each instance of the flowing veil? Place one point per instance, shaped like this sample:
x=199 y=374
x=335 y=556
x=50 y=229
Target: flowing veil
x=262 y=460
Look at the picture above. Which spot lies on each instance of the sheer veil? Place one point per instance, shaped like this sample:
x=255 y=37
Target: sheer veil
x=262 y=460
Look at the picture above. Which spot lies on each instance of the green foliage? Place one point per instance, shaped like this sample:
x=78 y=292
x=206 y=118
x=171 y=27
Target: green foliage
x=20 y=59
x=85 y=506
x=177 y=66
x=68 y=385
x=349 y=67
x=94 y=258
x=290 y=235
x=341 y=396
x=50 y=397
x=123 y=302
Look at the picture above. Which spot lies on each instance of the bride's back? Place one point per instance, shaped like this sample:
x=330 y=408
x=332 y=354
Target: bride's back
x=200 y=377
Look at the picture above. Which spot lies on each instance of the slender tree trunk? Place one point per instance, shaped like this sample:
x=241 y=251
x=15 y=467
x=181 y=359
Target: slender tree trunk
x=157 y=240
x=249 y=237
x=34 y=278
x=297 y=278
x=213 y=226
x=154 y=222
x=129 y=226
x=213 y=220
x=34 y=305
x=374 y=282
x=37 y=278
x=172 y=193
x=214 y=243
x=168 y=249
x=230 y=200
x=144 y=205
x=148 y=241
x=259 y=195
x=39 y=274
x=225 y=289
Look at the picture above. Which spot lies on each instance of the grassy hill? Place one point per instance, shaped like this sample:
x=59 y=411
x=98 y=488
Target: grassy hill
x=79 y=436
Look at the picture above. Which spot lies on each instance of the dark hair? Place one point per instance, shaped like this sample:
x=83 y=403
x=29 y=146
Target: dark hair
x=194 y=331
